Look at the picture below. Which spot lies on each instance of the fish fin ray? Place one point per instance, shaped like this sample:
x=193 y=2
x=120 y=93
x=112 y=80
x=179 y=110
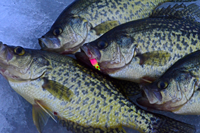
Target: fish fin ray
x=57 y=90
x=156 y=58
x=45 y=109
x=178 y=11
x=40 y=115
x=105 y=26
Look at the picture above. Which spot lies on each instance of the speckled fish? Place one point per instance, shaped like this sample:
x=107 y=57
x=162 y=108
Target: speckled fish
x=144 y=49
x=85 y=20
x=84 y=100
x=177 y=89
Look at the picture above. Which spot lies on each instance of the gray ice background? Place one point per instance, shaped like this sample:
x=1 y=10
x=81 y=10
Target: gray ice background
x=21 y=23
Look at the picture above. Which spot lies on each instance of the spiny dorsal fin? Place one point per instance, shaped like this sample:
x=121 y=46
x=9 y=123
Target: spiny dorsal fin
x=179 y=11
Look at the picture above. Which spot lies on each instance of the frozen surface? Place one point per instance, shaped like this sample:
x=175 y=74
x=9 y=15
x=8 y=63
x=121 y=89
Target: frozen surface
x=21 y=23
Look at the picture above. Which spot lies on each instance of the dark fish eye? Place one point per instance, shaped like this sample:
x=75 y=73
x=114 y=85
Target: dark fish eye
x=102 y=45
x=162 y=85
x=19 y=50
x=57 y=31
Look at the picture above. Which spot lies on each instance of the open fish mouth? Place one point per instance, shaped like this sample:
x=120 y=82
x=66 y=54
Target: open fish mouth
x=82 y=57
x=150 y=98
x=6 y=54
x=88 y=52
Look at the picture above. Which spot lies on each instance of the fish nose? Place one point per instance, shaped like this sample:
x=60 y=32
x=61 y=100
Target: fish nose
x=3 y=51
x=41 y=42
x=2 y=47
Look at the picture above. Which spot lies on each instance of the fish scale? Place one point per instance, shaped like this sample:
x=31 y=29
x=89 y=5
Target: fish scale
x=177 y=90
x=85 y=101
x=84 y=21
x=144 y=48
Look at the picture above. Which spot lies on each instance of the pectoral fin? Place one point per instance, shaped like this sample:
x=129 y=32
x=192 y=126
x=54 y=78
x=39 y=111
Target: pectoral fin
x=106 y=26
x=57 y=90
x=41 y=115
x=156 y=58
x=179 y=11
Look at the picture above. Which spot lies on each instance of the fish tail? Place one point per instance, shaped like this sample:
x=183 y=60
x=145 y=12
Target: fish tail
x=168 y=125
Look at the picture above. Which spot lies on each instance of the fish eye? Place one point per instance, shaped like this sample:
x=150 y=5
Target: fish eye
x=19 y=50
x=102 y=45
x=162 y=85
x=57 y=31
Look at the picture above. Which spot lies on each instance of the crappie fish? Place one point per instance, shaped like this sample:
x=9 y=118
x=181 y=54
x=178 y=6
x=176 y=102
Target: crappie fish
x=85 y=20
x=144 y=49
x=177 y=89
x=84 y=100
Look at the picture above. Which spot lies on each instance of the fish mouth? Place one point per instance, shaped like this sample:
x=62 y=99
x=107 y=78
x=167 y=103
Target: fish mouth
x=7 y=69
x=82 y=57
x=49 y=43
x=146 y=101
x=54 y=44
x=6 y=54
x=91 y=53
x=150 y=97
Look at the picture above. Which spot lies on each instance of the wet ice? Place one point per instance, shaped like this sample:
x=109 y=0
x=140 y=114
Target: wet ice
x=21 y=23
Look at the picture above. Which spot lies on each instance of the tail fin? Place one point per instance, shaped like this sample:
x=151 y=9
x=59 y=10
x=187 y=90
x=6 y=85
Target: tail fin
x=169 y=125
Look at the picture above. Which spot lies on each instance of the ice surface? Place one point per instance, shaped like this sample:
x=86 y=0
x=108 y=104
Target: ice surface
x=21 y=23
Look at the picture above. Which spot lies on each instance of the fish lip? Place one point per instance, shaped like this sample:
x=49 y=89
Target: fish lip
x=49 y=43
x=82 y=57
x=153 y=96
x=53 y=44
x=6 y=54
x=90 y=53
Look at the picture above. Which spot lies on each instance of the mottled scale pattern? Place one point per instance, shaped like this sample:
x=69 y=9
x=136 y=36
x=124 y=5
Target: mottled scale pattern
x=85 y=100
x=96 y=102
x=158 y=43
x=98 y=11
x=181 y=95
x=86 y=20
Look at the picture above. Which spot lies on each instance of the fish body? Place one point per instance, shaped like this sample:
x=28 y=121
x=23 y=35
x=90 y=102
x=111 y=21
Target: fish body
x=85 y=20
x=83 y=99
x=144 y=49
x=177 y=89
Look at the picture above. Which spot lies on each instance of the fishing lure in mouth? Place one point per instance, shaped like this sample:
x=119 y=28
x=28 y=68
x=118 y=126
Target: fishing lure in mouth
x=95 y=63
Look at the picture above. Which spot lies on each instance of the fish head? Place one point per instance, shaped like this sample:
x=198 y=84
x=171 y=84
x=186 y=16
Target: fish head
x=17 y=63
x=169 y=92
x=66 y=35
x=111 y=52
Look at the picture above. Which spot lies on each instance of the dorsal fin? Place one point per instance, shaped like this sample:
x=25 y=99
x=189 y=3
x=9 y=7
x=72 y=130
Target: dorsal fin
x=179 y=11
